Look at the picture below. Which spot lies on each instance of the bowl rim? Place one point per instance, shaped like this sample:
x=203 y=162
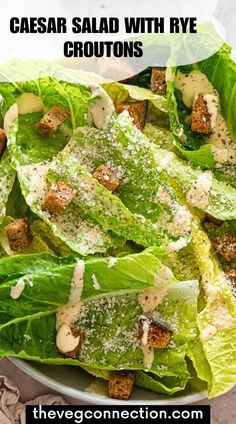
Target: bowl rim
x=95 y=399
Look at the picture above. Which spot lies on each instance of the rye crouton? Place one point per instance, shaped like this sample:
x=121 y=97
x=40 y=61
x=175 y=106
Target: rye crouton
x=158 y=80
x=137 y=111
x=3 y=142
x=106 y=177
x=58 y=198
x=51 y=121
x=152 y=334
x=18 y=234
x=225 y=245
x=67 y=337
x=121 y=384
x=231 y=275
x=203 y=121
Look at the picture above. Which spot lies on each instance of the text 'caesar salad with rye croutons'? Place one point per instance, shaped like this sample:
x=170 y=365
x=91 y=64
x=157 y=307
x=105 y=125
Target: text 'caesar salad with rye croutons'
x=118 y=223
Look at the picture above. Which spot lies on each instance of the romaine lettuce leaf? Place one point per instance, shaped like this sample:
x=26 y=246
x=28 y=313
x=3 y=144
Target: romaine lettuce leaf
x=220 y=69
x=222 y=197
x=99 y=204
x=27 y=325
x=221 y=72
x=145 y=187
x=56 y=84
x=81 y=234
x=76 y=98
x=216 y=322
x=16 y=206
x=7 y=178
x=32 y=145
x=187 y=144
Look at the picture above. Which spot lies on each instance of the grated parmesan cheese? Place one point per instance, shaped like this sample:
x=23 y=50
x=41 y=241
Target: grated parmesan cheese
x=198 y=195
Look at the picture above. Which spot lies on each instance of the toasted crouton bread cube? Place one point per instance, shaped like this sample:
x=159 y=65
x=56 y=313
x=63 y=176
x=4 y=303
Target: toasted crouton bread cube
x=51 y=121
x=18 y=234
x=121 y=384
x=106 y=177
x=3 y=142
x=137 y=111
x=74 y=333
x=157 y=336
x=158 y=80
x=201 y=118
x=231 y=275
x=58 y=198
x=225 y=245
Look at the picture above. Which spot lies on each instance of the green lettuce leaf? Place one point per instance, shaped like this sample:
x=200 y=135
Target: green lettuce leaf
x=32 y=145
x=132 y=156
x=98 y=203
x=76 y=98
x=222 y=197
x=7 y=178
x=86 y=237
x=220 y=69
x=108 y=318
x=216 y=322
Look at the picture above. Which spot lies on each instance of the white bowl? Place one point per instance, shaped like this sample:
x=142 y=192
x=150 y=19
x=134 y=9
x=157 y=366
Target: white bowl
x=73 y=382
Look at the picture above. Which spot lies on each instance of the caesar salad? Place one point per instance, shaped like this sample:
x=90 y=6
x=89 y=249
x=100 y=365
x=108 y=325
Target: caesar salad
x=118 y=223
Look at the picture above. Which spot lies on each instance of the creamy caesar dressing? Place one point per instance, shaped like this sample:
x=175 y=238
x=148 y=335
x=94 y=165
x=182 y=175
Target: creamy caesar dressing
x=29 y=103
x=148 y=356
x=192 y=84
x=145 y=330
x=208 y=332
x=103 y=108
x=65 y=340
x=224 y=149
x=198 y=195
x=17 y=290
x=112 y=261
x=10 y=116
x=96 y=284
x=149 y=299
x=212 y=102
x=77 y=283
x=69 y=313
